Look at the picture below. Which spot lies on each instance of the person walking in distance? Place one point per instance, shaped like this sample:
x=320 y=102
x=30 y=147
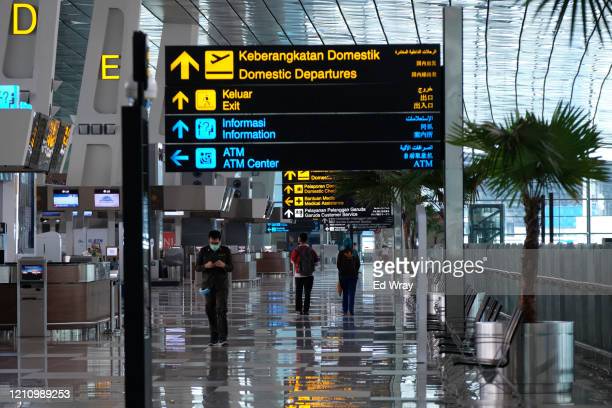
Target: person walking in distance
x=215 y=261
x=303 y=258
x=348 y=265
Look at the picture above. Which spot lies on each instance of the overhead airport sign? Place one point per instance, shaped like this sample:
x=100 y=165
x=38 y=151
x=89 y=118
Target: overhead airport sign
x=378 y=217
x=301 y=64
x=299 y=226
x=312 y=194
x=276 y=157
x=289 y=98
x=297 y=128
x=265 y=108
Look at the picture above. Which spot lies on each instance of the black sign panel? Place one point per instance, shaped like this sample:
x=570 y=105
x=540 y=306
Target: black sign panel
x=326 y=156
x=298 y=128
x=363 y=223
x=258 y=99
x=299 y=226
x=298 y=64
x=274 y=108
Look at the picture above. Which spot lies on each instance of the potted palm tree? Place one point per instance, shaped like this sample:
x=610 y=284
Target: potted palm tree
x=521 y=160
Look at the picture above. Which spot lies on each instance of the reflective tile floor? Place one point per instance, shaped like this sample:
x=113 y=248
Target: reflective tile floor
x=275 y=358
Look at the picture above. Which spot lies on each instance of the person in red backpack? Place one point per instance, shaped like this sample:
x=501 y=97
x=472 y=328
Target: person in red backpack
x=304 y=259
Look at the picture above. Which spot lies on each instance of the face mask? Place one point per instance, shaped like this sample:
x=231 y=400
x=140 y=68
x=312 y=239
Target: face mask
x=215 y=247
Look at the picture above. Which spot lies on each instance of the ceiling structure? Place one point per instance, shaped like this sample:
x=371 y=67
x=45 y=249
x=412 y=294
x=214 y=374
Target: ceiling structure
x=498 y=76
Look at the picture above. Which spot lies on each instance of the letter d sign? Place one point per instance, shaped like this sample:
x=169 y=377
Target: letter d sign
x=17 y=13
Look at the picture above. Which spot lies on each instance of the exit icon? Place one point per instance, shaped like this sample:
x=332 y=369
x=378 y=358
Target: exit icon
x=206 y=129
x=205 y=100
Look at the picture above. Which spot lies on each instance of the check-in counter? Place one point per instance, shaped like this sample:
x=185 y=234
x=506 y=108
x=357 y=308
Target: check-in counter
x=78 y=294
x=272 y=262
x=8 y=295
x=245 y=267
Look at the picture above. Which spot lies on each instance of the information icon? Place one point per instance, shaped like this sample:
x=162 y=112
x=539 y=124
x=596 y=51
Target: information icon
x=206 y=129
x=205 y=158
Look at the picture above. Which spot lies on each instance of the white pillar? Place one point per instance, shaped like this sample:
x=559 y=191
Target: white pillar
x=172 y=34
x=96 y=159
x=8 y=202
x=421 y=287
x=29 y=60
x=453 y=160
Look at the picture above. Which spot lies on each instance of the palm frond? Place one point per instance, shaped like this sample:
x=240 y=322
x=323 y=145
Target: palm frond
x=528 y=155
x=583 y=12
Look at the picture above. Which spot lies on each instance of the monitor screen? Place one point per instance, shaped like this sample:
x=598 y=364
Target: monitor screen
x=106 y=198
x=112 y=251
x=65 y=198
x=32 y=272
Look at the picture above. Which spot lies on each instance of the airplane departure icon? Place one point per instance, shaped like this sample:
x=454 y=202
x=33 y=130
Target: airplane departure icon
x=217 y=58
x=219 y=64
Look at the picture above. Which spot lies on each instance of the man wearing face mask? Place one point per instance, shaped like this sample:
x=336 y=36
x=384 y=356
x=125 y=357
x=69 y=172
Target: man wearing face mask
x=215 y=261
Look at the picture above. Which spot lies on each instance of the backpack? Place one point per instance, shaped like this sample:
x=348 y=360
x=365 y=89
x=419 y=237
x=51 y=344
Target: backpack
x=347 y=263
x=306 y=265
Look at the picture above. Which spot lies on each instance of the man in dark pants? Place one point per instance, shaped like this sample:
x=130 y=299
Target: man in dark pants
x=303 y=258
x=215 y=261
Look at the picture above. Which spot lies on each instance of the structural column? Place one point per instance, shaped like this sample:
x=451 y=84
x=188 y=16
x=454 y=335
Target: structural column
x=28 y=44
x=172 y=34
x=96 y=148
x=453 y=159
x=27 y=58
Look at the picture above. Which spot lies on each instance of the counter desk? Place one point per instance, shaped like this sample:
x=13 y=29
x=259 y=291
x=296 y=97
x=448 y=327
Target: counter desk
x=275 y=263
x=78 y=295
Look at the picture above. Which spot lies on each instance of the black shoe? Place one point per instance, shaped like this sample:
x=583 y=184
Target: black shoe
x=305 y=313
x=223 y=343
x=214 y=339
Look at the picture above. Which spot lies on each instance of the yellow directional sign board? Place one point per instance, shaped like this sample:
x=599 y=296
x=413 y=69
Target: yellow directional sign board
x=312 y=194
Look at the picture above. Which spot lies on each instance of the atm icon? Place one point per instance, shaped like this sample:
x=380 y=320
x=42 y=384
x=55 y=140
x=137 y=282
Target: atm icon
x=205 y=158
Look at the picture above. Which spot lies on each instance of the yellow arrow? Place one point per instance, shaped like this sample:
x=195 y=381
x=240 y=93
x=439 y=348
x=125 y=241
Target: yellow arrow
x=288 y=201
x=179 y=99
x=290 y=174
x=184 y=60
x=288 y=189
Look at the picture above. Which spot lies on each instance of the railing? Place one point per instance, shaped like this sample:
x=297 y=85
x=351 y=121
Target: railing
x=573 y=284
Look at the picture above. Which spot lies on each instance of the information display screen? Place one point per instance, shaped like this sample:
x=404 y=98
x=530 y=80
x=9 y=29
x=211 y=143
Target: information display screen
x=32 y=272
x=39 y=127
x=112 y=251
x=106 y=198
x=61 y=147
x=65 y=198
